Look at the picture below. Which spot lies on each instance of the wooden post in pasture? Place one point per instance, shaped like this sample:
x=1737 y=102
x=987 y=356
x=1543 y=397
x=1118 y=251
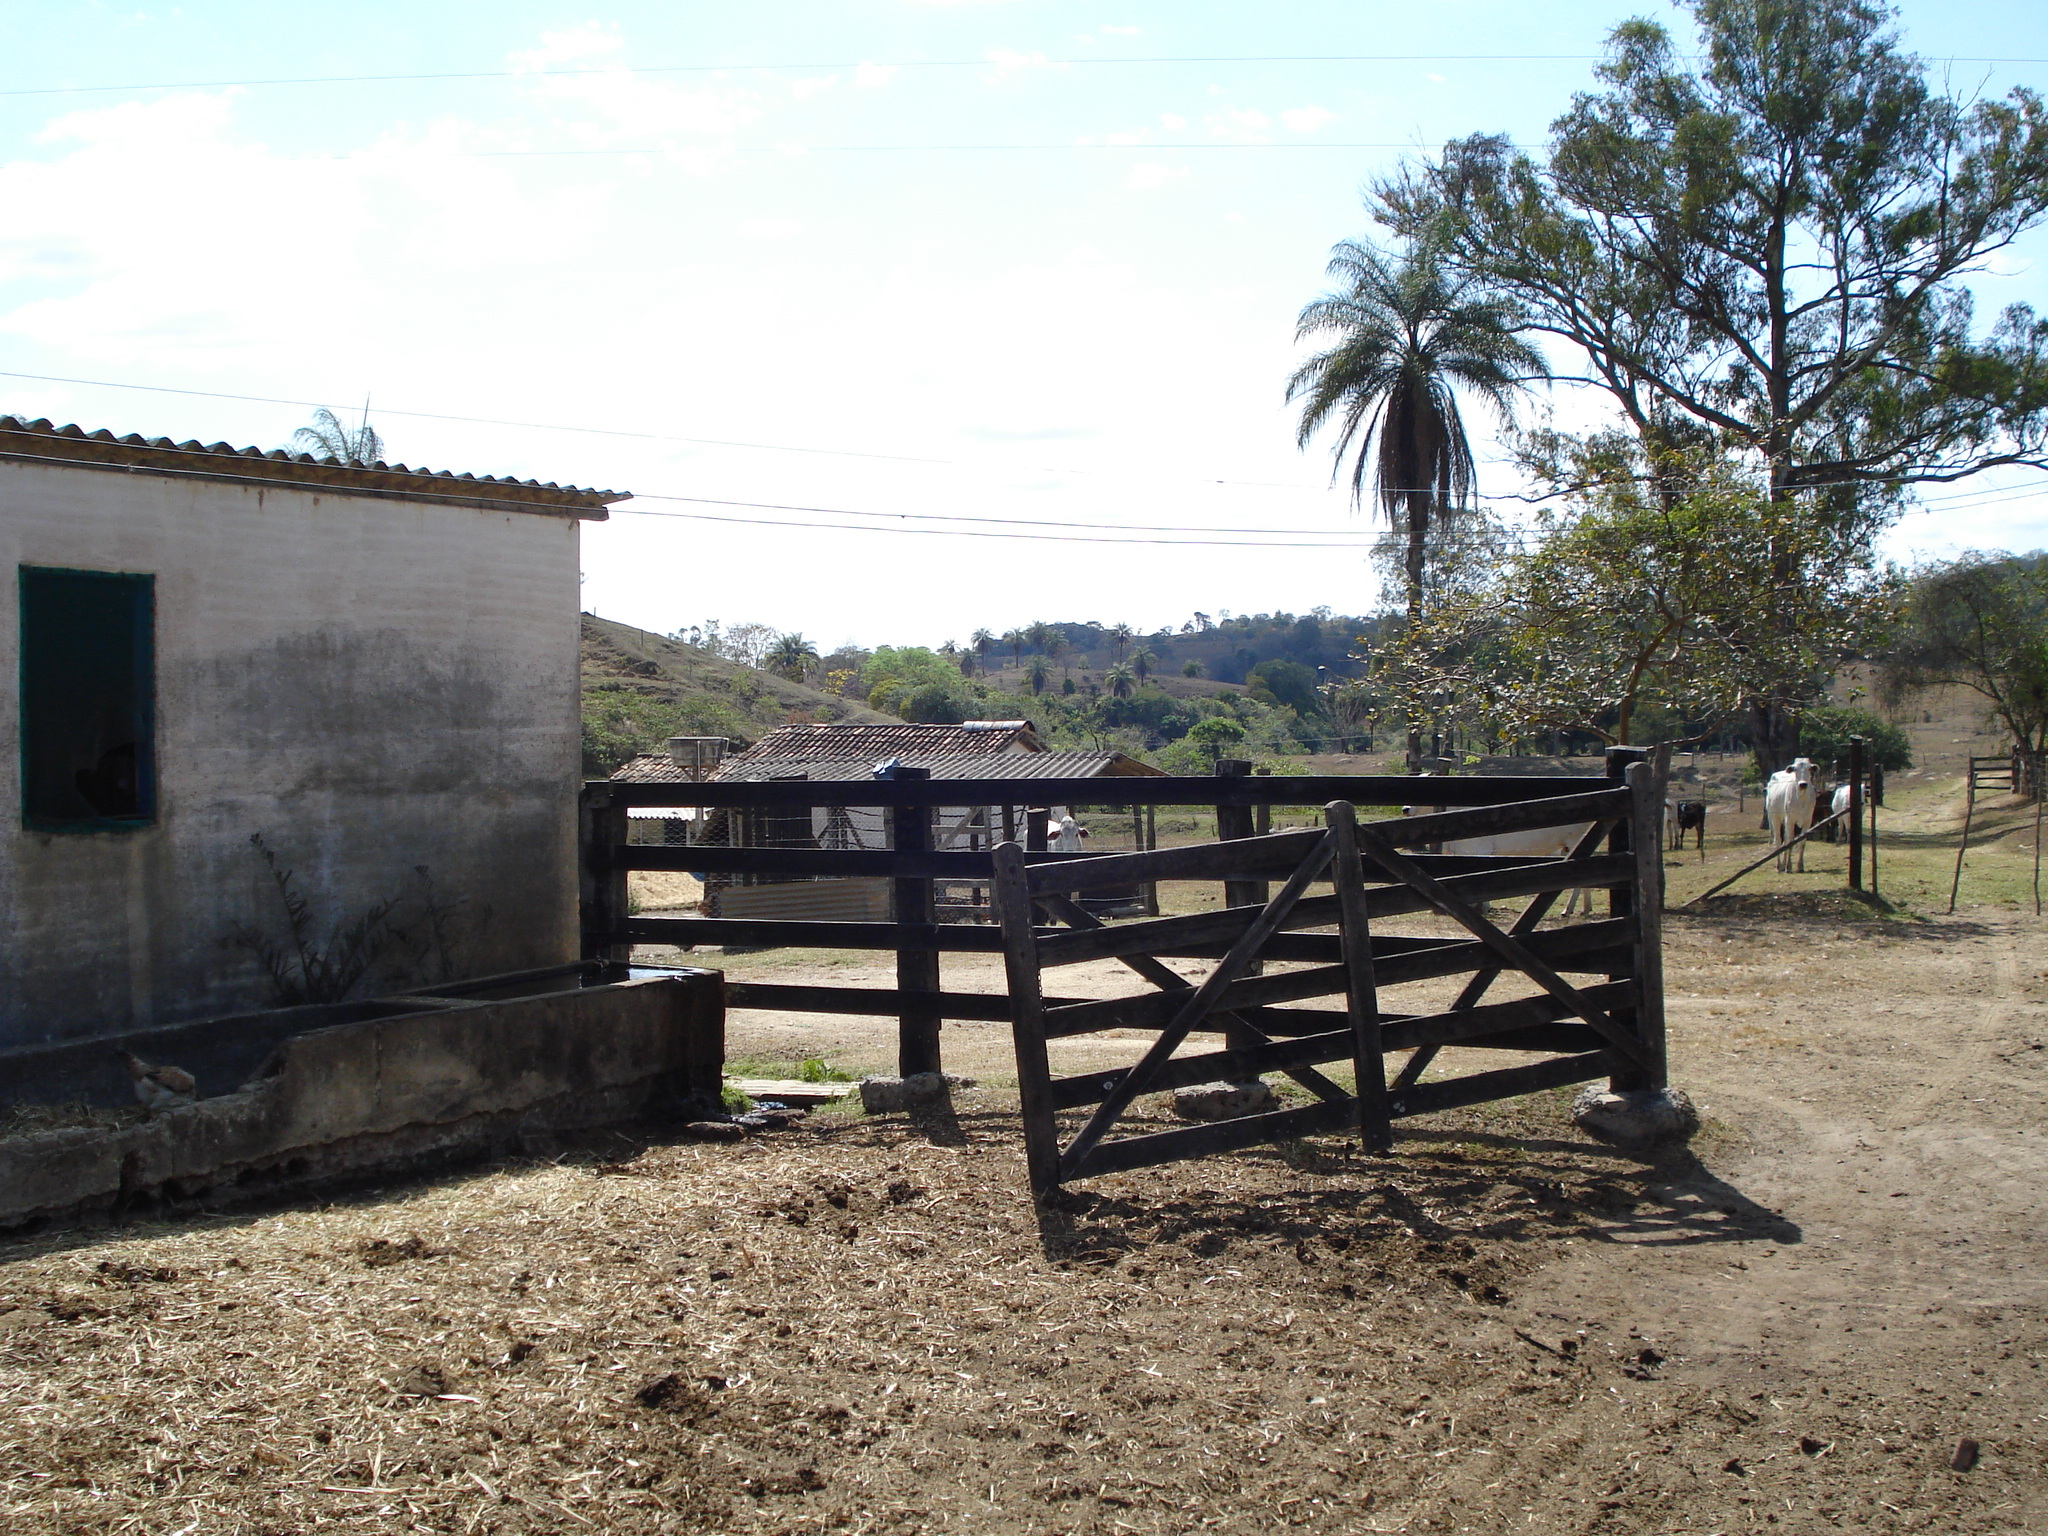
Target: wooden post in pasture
x=1855 y=813
x=917 y=970
x=1235 y=821
x=602 y=827
x=1621 y=900
x=1646 y=832
x=1619 y=759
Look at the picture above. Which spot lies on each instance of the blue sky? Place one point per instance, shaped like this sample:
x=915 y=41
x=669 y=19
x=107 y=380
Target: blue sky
x=1007 y=260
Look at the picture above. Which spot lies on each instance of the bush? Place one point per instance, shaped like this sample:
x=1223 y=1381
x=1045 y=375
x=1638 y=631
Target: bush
x=1824 y=736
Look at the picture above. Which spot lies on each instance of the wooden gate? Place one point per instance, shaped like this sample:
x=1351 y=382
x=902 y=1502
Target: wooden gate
x=1612 y=1027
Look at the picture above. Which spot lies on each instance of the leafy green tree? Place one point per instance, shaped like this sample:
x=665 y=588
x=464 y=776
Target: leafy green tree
x=1689 y=605
x=1289 y=683
x=1409 y=335
x=1216 y=735
x=1981 y=622
x=1351 y=705
x=792 y=656
x=327 y=438
x=1191 y=668
x=1824 y=736
x=1764 y=245
x=892 y=673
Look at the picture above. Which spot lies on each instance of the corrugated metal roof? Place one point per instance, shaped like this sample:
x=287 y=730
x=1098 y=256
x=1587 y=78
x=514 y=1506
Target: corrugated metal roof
x=943 y=765
x=651 y=768
x=880 y=742
x=39 y=441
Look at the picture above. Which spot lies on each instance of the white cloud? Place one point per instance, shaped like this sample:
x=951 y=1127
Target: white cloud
x=576 y=46
x=1246 y=124
x=1173 y=122
x=872 y=77
x=1307 y=119
x=1009 y=59
x=772 y=229
x=1146 y=176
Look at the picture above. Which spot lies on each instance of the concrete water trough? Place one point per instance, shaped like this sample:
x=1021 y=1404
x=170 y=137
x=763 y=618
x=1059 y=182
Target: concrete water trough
x=296 y=1096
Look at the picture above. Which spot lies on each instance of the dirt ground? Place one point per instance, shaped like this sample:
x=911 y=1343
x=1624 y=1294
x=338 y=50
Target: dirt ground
x=860 y=1325
x=863 y=1325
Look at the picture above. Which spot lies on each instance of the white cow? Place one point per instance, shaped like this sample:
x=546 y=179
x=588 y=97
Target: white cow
x=1788 y=807
x=1537 y=843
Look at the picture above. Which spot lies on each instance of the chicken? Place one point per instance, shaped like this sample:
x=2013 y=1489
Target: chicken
x=159 y=1087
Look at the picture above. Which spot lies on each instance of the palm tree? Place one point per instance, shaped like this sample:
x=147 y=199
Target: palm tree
x=1038 y=674
x=1143 y=660
x=792 y=656
x=1122 y=679
x=327 y=438
x=1016 y=640
x=1408 y=337
x=983 y=641
x=1120 y=637
x=1057 y=649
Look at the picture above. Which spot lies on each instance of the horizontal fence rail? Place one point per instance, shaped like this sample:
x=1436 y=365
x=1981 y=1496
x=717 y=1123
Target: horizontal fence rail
x=1250 y=790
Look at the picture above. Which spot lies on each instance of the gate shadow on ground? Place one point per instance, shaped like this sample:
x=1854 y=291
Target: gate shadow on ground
x=1457 y=1187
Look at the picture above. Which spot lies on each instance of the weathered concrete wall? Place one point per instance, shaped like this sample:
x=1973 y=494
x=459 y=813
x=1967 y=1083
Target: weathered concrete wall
x=387 y=1093
x=373 y=685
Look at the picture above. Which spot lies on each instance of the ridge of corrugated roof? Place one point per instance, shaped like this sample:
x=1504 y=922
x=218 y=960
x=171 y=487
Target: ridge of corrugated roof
x=659 y=768
x=800 y=741
x=21 y=438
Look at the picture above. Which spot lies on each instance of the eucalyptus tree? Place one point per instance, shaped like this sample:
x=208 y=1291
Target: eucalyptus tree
x=1763 y=245
x=1981 y=622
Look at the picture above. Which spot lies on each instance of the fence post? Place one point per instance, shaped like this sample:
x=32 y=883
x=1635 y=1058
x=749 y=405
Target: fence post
x=1647 y=833
x=917 y=970
x=1621 y=901
x=601 y=886
x=1855 y=813
x=1235 y=821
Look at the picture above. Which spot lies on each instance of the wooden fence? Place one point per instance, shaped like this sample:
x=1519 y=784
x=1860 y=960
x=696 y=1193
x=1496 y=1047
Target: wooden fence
x=1320 y=946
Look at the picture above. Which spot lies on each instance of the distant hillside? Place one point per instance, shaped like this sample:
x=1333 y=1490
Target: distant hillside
x=1226 y=651
x=639 y=689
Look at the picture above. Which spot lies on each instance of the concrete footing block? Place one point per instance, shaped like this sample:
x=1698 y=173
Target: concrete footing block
x=1640 y=1117
x=1224 y=1101
x=903 y=1095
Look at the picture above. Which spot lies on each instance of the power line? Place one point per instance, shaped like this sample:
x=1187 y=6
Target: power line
x=973 y=533
x=1949 y=499
x=655 y=437
x=1018 y=522
x=1008 y=62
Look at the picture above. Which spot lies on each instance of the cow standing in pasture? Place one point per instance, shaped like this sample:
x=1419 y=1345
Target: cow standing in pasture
x=1788 y=809
x=1683 y=816
x=1536 y=843
x=1839 y=830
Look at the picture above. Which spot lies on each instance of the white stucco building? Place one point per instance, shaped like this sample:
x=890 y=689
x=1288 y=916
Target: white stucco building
x=372 y=669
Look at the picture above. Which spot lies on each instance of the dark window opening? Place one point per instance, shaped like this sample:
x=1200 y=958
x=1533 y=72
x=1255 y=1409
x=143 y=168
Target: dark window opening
x=88 y=641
